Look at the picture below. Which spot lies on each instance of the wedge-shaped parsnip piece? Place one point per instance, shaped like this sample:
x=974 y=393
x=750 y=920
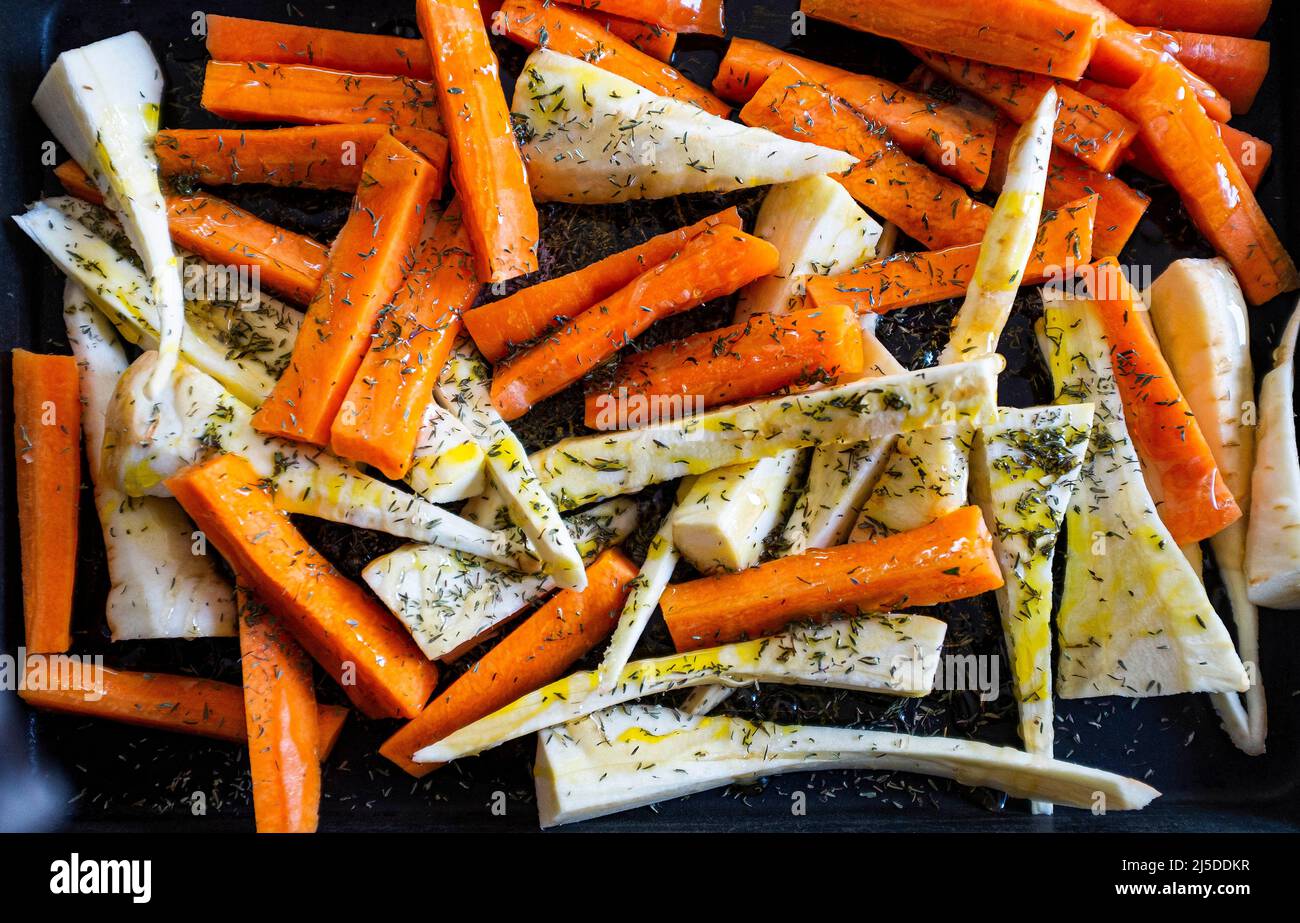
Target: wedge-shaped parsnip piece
x=159 y=588
x=1199 y=314
x=890 y=654
x=632 y=756
x=594 y=137
x=1134 y=618
x=1273 y=539
x=925 y=477
x=448 y=599
x=449 y=464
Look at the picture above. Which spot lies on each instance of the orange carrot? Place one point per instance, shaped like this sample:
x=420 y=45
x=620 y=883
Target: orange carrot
x=289 y=264
x=315 y=157
x=47 y=435
x=952 y=140
x=694 y=16
x=366 y=266
x=539 y=651
x=906 y=279
x=1182 y=140
x=499 y=326
x=951 y=558
x=710 y=265
x=164 y=701
x=533 y=22
x=925 y=206
x=656 y=41
x=764 y=354
x=1195 y=500
x=1226 y=17
x=385 y=406
x=1041 y=36
x=349 y=634
x=233 y=39
x=486 y=165
x=302 y=95
x=1236 y=67
x=1087 y=129
x=280 y=713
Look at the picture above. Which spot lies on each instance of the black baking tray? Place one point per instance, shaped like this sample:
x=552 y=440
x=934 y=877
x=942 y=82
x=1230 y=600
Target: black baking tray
x=108 y=777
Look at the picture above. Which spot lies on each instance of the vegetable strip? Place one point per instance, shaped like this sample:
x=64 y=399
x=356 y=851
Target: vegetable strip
x=238 y=40
x=1235 y=66
x=693 y=16
x=1227 y=17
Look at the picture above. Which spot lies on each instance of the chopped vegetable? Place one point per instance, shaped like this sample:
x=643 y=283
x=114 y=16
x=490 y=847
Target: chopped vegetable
x=573 y=116
x=239 y=40
x=344 y=630
x=714 y=263
x=625 y=758
x=887 y=654
x=384 y=409
x=702 y=16
x=949 y=559
x=839 y=480
x=449 y=464
x=1118 y=213
x=47 y=437
x=532 y=655
x=643 y=36
x=367 y=263
x=1229 y=17
x=499 y=326
x=926 y=206
x=1134 y=618
x=1236 y=67
x=924 y=478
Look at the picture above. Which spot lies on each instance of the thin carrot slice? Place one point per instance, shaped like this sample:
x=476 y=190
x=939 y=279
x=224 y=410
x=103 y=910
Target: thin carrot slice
x=1183 y=141
x=162 y=701
x=926 y=206
x=499 y=326
x=951 y=558
x=1040 y=36
x=712 y=264
x=533 y=22
x=1195 y=500
x=1226 y=17
x=1236 y=67
x=366 y=266
x=289 y=264
x=695 y=16
x=950 y=139
x=1087 y=129
x=233 y=39
x=47 y=435
x=349 y=634
x=302 y=95
x=764 y=354
x=539 y=651
x=312 y=157
x=384 y=409
x=487 y=167
x=281 y=715
x=1065 y=237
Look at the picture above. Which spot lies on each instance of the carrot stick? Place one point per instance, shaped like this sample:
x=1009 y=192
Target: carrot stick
x=392 y=389
x=951 y=558
x=1195 y=500
x=366 y=266
x=1226 y=17
x=954 y=141
x=47 y=436
x=1041 y=36
x=538 y=652
x=906 y=279
x=314 y=157
x=289 y=264
x=926 y=206
x=533 y=22
x=762 y=355
x=710 y=265
x=694 y=16
x=233 y=39
x=302 y=95
x=163 y=701
x=656 y=41
x=349 y=634
x=486 y=165
x=1183 y=141
x=1236 y=67
x=280 y=713
x=500 y=326
x=1087 y=129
